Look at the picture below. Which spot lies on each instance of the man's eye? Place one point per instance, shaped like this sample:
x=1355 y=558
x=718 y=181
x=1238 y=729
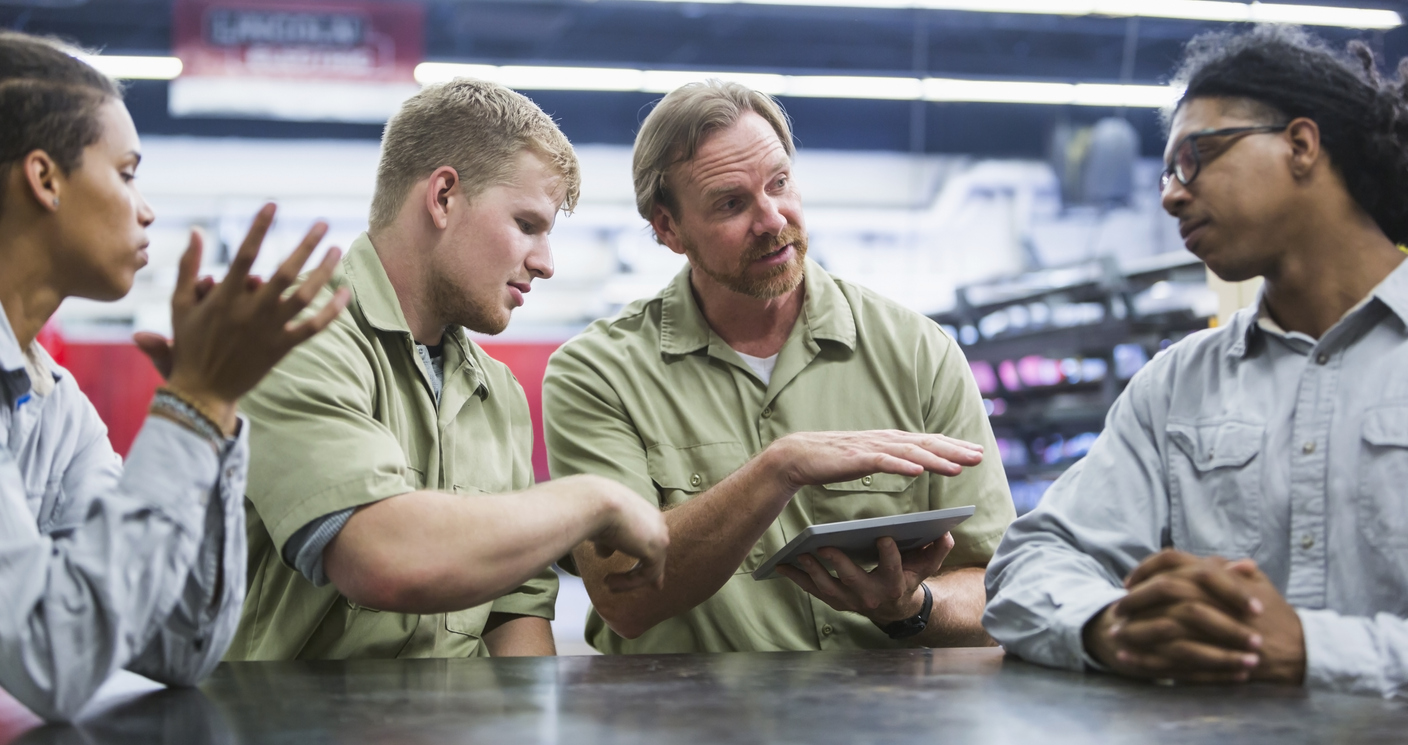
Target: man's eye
x=525 y=227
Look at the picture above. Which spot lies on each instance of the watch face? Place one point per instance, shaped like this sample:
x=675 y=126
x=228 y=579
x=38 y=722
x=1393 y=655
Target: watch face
x=906 y=628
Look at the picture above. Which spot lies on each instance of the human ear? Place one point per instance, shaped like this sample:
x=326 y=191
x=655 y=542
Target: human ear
x=666 y=231
x=439 y=188
x=42 y=177
x=1304 y=135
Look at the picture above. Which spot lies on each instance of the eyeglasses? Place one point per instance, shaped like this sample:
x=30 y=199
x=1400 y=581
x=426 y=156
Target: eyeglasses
x=1186 y=160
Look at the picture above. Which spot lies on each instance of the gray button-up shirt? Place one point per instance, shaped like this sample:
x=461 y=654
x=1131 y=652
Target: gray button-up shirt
x=1240 y=441
x=104 y=567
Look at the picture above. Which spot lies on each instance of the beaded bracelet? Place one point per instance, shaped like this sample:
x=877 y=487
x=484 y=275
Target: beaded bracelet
x=173 y=406
x=201 y=410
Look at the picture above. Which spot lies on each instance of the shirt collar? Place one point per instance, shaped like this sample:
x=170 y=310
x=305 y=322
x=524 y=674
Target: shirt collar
x=825 y=311
x=1392 y=292
x=376 y=299
x=14 y=378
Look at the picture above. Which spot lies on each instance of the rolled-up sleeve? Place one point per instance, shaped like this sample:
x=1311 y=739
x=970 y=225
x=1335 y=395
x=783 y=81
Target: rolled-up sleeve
x=98 y=591
x=1355 y=654
x=1062 y=563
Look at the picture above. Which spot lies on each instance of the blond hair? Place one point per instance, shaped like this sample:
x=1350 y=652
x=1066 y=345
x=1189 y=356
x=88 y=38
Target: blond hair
x=476 y=127
x=672 y=132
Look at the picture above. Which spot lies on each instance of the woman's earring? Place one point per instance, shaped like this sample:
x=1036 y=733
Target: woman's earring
x=56 y=201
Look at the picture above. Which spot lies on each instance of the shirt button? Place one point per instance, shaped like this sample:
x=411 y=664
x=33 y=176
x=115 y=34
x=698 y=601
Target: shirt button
x=695 y=480
x=826 y=629
x=1308 y=448
x=866 y=480
x=1307 y=541
x=1322 y=358
x=767 y=412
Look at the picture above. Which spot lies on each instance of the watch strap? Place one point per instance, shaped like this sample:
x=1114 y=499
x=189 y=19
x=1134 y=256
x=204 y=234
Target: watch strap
x=907 y=627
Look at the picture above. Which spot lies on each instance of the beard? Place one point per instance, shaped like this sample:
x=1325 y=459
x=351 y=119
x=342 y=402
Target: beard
x=461 y=308
x=774 y=282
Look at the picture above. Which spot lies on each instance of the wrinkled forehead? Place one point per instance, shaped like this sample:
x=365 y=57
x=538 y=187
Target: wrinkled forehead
x=748 y=146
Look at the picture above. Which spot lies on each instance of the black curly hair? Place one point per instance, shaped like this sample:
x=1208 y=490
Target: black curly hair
x=49 y=101
x=1286 y=73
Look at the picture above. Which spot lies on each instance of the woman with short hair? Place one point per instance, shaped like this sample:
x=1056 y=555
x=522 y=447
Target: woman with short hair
x=105 y=566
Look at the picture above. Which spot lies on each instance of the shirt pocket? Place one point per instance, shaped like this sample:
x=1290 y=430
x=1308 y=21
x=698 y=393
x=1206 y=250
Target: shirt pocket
x=470 y=621
x=682 y=473
x=1215 y=487
x=1382 y=498
x=876 y=495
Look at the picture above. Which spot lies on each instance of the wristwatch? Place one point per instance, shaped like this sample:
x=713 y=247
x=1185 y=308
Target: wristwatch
x=907 y=627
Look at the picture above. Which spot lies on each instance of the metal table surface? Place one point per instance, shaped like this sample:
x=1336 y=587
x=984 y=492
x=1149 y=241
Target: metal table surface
x=966 y=696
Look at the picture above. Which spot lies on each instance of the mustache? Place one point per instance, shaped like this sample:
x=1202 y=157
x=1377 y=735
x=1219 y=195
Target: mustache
x=766 y=245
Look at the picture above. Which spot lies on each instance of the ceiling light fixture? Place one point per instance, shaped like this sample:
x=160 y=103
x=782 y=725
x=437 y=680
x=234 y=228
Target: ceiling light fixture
x=1192 y=10
x=806 y=86
x=135 y=68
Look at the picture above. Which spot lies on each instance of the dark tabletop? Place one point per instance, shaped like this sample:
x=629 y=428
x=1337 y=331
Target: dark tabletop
x=966 y=697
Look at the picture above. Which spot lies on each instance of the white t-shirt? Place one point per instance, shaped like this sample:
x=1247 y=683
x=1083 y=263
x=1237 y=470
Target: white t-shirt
x=761 y=365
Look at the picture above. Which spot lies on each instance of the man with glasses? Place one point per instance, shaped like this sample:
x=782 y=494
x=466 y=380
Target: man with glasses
x=1242 y=516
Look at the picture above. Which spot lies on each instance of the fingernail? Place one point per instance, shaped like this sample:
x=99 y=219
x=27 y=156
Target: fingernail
x=1122 y=656
x=1115 y=629
x=1250 y=660
x=1256 y=605
x=1255 y=641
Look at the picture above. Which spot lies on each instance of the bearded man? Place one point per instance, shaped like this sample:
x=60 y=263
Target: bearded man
x=755 y=396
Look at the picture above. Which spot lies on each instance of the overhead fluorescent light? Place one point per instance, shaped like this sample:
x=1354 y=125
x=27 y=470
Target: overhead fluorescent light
x=135 y=68
x=1193 y=10
x=807 y=86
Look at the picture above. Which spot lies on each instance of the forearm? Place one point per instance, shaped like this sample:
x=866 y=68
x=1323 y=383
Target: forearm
x=201 y=626
x=83 y=605
x=957 y=616
x=429 y=552
x=710 y=536
x=509 y=635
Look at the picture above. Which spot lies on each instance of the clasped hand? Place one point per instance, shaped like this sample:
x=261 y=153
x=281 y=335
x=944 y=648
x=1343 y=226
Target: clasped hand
x=1199 y=620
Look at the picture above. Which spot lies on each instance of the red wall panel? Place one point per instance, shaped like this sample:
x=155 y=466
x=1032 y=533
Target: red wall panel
x=120 y=381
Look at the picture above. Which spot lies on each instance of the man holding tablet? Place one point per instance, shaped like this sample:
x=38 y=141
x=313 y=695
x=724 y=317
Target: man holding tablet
x=756 y=396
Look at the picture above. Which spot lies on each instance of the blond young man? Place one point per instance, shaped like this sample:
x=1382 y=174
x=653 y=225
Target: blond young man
x=756 y=395
x=391 y=508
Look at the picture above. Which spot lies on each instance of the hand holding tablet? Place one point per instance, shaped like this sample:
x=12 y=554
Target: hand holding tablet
x=857 y=537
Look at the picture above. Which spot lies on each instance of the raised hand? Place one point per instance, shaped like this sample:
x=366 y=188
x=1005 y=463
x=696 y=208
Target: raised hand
x=228 y=335
x=810 y=458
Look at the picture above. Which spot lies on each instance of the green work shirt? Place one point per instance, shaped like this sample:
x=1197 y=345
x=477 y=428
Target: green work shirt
x=348 y=419
x=656 y=400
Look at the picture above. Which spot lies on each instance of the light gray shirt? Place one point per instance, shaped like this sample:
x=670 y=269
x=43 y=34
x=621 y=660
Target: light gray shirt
x=1240 y=441
x=104 y=567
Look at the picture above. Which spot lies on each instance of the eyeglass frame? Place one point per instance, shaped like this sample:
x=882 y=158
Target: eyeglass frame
x=1170 y=171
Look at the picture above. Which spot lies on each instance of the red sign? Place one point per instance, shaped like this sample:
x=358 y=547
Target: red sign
x=362 y=41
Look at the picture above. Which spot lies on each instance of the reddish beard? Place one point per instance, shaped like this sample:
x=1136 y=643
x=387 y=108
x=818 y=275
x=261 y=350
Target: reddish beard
x=746 y=279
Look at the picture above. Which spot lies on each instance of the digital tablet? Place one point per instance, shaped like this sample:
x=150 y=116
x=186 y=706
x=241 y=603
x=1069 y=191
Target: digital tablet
x=857 y=537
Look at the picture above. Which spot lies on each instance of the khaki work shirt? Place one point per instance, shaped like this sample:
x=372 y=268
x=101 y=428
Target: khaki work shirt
x=656 y=400
x=348 y=419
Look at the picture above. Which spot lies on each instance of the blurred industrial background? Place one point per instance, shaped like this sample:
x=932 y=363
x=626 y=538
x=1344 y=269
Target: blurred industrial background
x=989 y=163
